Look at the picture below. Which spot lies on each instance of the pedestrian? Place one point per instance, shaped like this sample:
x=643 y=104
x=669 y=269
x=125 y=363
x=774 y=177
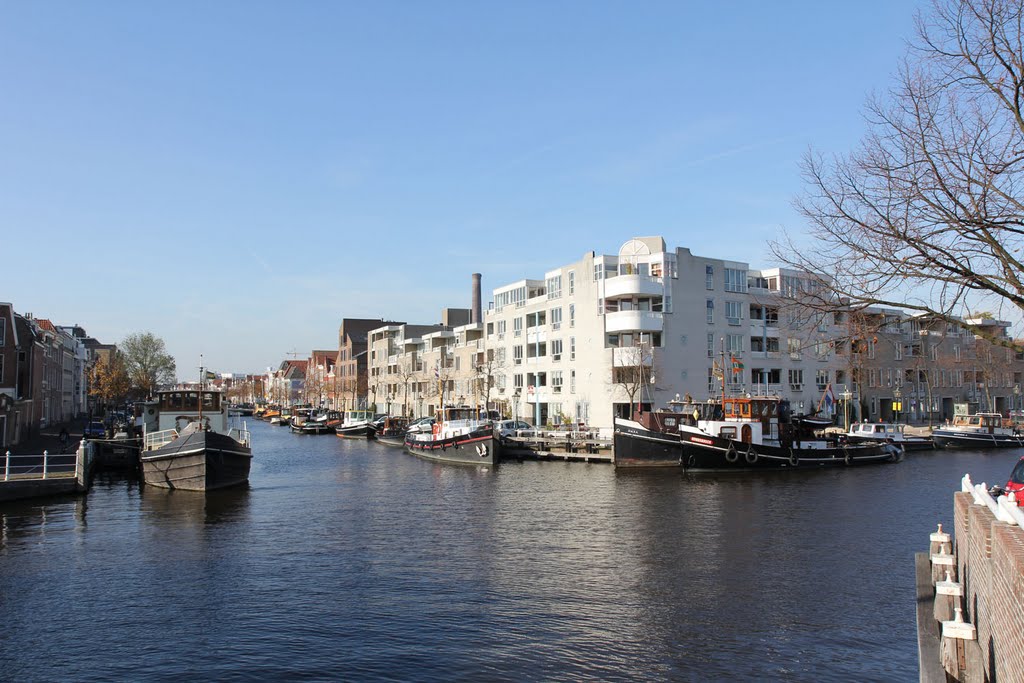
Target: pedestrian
x=64 y=438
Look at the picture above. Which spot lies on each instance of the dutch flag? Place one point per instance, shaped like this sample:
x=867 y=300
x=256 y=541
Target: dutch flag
x=830 y=399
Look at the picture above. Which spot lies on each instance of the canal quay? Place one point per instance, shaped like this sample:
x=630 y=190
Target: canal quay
x=348 y=560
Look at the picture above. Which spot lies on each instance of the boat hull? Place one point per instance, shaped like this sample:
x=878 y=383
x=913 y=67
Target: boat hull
x=913 y=444
x=475 y=448
x=640 y=448
x=363 y=431
x=200 y=461
x=944 y=438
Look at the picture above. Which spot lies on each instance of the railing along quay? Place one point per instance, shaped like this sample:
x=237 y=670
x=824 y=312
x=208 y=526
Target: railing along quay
x=26 y=476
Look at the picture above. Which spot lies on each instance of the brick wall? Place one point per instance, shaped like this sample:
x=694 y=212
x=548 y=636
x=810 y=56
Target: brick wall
x=990 y=557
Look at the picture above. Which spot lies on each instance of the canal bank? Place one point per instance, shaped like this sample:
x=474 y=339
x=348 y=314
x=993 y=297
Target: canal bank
x=349 y=560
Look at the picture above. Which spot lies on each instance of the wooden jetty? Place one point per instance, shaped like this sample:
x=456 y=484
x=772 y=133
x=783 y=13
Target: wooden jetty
x=46 y=474
x=578 y=446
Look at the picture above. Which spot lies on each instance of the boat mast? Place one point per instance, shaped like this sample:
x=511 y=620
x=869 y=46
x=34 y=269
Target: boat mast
x=723 y=376
x=202 y=384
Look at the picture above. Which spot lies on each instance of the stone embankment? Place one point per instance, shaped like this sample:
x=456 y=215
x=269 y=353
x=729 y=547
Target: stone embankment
x=970 y=593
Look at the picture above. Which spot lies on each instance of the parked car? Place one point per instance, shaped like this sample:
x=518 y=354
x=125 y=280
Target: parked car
x=423 y=424
x=95 y=430
x=507 y=428
x=1014 y=485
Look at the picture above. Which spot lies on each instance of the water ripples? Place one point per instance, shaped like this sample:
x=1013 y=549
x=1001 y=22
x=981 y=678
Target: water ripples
x=351 y=560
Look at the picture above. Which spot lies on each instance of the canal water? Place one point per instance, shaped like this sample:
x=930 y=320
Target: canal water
x=347 y=560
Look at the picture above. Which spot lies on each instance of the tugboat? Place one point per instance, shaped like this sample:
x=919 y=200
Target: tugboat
x=357 y=424
x=458 y=435
x=758 y=433
x=323 y=422
x=981 y=430
x=190 y=445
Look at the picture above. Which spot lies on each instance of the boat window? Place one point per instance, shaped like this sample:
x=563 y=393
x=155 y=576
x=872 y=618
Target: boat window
x=170 y=401
x=670 y=422
x=211 y=403
x=727 y=432
x=191 y=401
x=879 y=428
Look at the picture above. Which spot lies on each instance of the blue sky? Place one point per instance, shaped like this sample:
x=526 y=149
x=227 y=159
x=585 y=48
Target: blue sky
x=237 y=177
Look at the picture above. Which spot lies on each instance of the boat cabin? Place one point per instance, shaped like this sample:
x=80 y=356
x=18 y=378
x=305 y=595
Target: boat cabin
x=876 y=430
x=982 y=422
x=189 y=404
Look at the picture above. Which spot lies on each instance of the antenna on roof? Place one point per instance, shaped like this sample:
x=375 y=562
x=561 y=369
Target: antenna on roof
x=293 y=353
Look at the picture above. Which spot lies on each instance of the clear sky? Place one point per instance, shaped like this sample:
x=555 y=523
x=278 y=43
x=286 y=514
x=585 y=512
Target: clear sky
x=237 y=177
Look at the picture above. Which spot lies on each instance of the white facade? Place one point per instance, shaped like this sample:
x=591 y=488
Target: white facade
x=563 y=339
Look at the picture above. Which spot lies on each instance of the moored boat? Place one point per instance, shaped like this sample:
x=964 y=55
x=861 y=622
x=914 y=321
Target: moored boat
x=323 y=422
x=192 y=447
x=872 y=432
x=392 y=431
x=458 y=435
x=981 y=430
x=356 y=424
x=739 y=433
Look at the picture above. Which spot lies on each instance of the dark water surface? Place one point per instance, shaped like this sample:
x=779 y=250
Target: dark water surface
x=353 y=561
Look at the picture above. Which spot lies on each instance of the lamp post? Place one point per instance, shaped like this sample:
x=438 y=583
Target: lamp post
x=515 y=405
x=847 y=395
x=1016 y=397
x=896 y=404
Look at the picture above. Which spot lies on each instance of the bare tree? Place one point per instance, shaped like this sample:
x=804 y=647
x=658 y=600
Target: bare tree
x=485 y=370
x=633 y=371
x=926 y=213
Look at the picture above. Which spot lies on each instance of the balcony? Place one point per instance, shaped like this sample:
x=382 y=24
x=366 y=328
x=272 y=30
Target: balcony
x=633 y=321
x=632 y=285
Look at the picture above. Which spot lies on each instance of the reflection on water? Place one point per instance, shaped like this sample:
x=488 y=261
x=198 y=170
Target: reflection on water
x=350 y=560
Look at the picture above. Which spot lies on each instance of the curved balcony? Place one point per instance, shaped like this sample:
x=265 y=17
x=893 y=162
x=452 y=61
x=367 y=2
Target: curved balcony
x=633 y=321
x=632 y=285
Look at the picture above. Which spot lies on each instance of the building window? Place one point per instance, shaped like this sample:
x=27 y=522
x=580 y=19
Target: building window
x=572 y=381
x=572 y=348
x=536 y=319
x=501 y=328
x=517 y=327
x=733 y=312
x=556 y=318
x=556 y=349
x=556 y=381
x=711 y=344
x=572 y=282
x=554 y=287
x=537 y=350
x=711 y=311
x=898 y=348
x=793 y=346
x=735 y=280
x=796 y=379
x=709 y=277
x=821 y=379
x=572 y=315
x=517 y=355
x=517 y=381
x=734 y=343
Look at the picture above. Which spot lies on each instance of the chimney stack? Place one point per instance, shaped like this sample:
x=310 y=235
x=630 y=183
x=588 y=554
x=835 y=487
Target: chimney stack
x=475 y=316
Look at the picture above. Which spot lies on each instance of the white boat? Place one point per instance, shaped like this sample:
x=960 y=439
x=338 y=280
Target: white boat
x=861 y=432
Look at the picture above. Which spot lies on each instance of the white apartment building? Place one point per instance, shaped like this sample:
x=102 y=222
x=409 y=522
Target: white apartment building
x=567 y=347
x=410 y=365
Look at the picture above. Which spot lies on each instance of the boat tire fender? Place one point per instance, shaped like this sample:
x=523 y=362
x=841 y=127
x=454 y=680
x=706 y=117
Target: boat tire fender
x=731 y=455
x=847 y=457
x=751 y=455
x=793 y=460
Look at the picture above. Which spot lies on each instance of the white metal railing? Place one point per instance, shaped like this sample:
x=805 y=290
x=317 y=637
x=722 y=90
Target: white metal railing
x=157 y=439
x=241 y=435
x=44 y=466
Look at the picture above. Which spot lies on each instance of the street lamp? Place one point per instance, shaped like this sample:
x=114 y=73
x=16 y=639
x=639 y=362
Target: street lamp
x=847 y=395
x=896 y=404
x=515 y=405
x=1016 y=397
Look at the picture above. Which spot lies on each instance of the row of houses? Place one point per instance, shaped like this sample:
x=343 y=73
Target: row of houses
x=43 y=373
x=591 y=339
